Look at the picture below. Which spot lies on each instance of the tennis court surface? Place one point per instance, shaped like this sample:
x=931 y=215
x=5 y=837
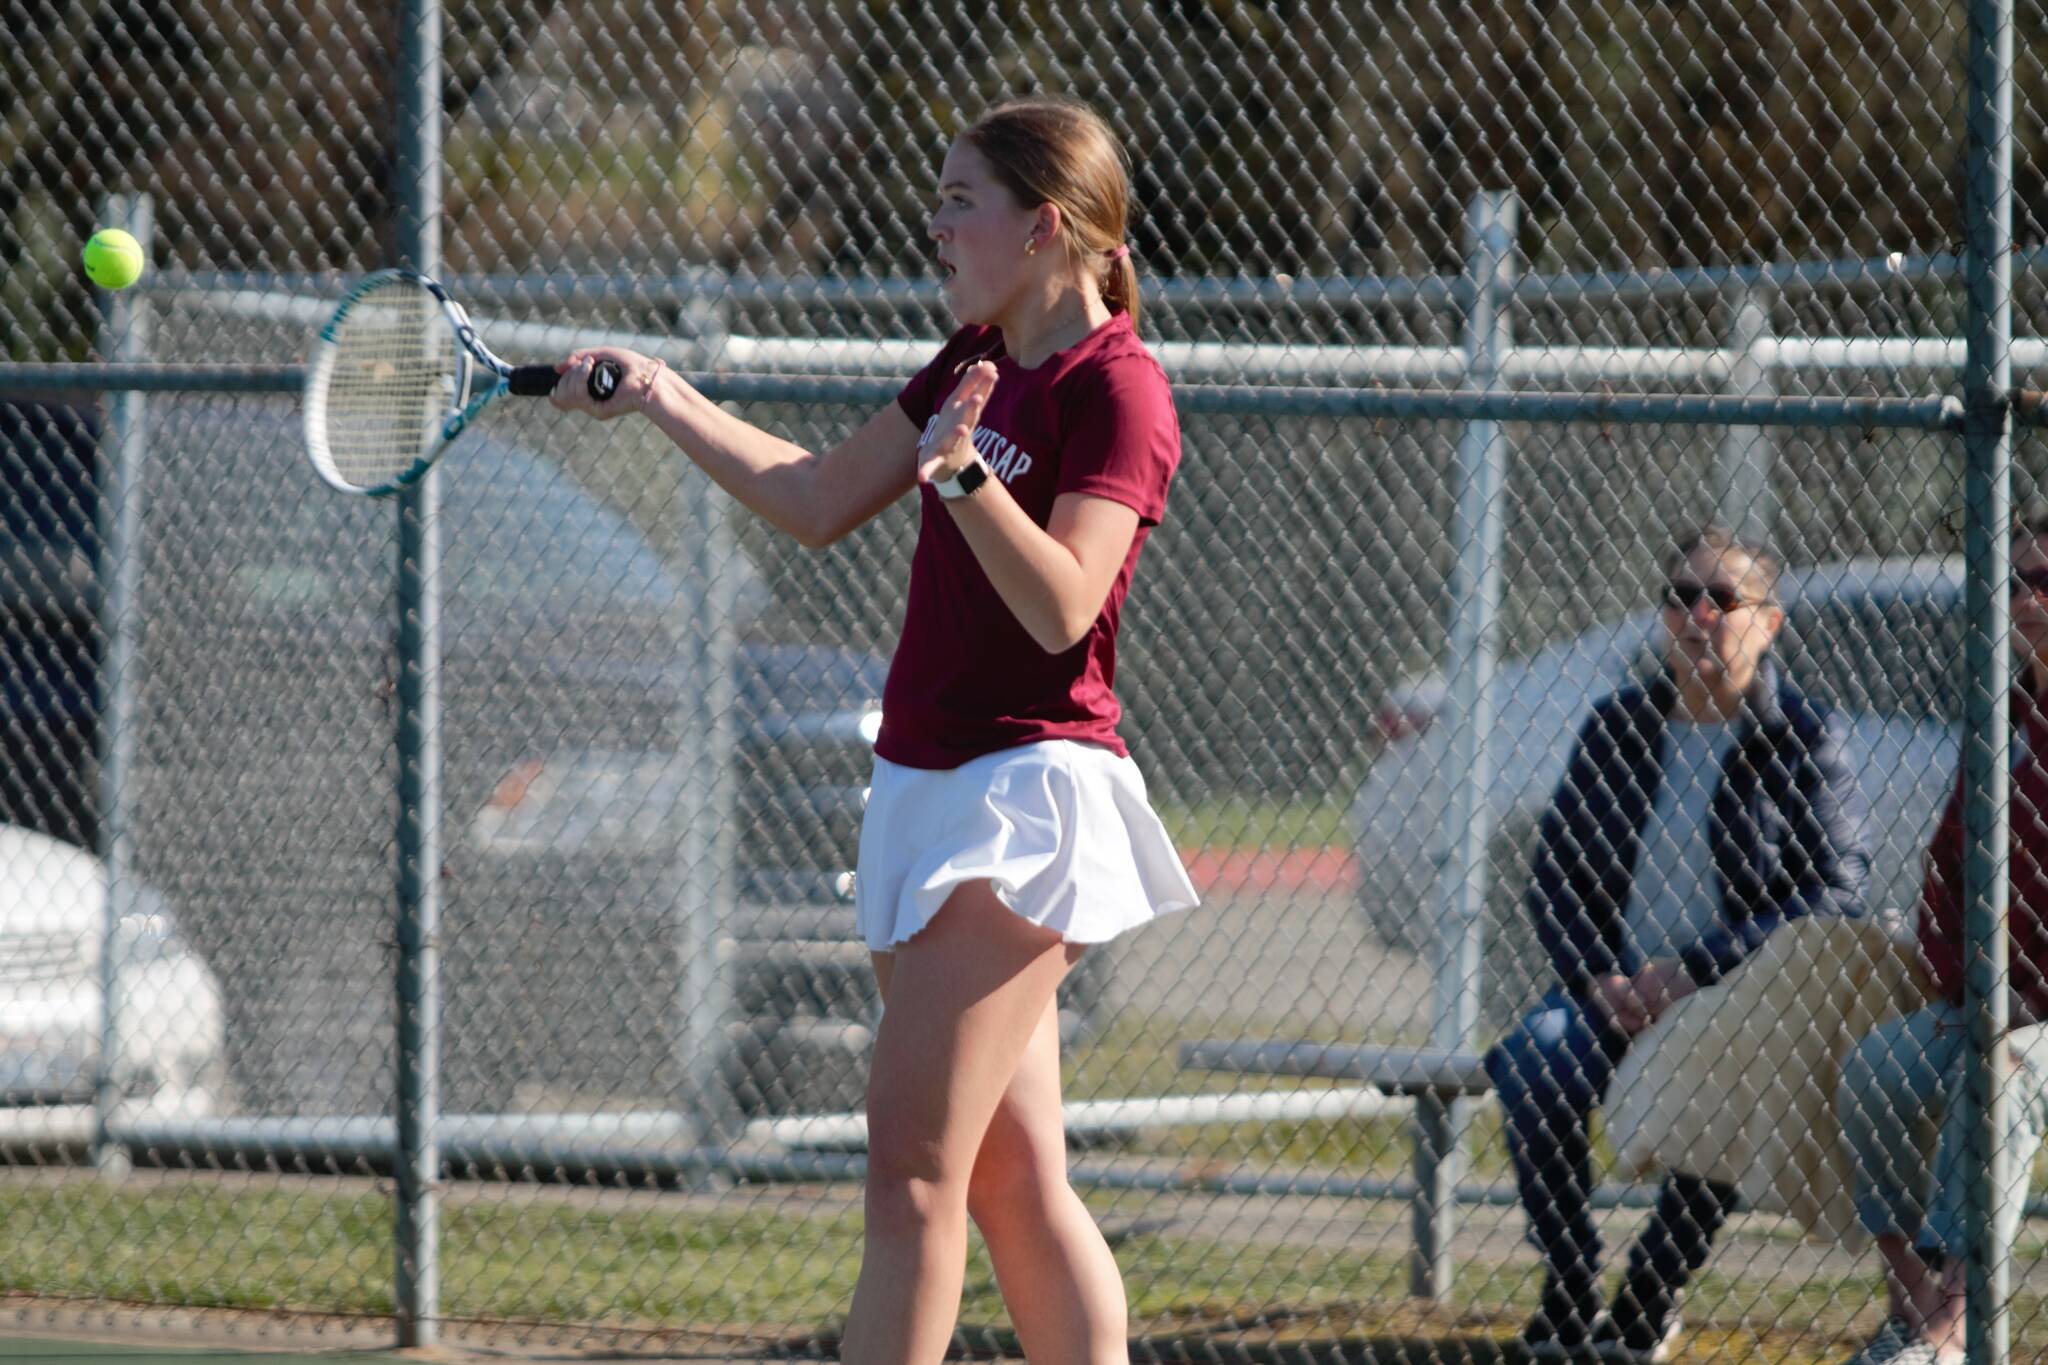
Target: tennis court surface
x=34 y=1349
x=133 y=1346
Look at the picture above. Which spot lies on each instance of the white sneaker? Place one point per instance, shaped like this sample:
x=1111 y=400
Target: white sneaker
x=1608 y=1344
x=1896 y=1343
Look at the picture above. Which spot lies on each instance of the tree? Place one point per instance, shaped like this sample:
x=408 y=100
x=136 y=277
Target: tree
x=262 y=142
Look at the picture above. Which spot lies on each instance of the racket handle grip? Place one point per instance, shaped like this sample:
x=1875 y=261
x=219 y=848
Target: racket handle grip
x=532 y=381
x=538 y=381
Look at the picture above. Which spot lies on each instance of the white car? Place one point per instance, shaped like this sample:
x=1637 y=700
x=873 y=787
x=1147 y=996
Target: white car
x=1879 y=639
x=52 y=903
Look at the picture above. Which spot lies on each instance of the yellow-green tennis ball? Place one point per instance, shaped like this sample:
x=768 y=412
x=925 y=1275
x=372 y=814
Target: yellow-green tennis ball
x=113 y=259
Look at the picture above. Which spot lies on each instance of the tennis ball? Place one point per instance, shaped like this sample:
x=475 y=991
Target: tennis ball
x=113 y=259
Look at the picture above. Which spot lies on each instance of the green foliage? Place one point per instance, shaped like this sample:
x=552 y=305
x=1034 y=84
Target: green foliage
x=1264 y=137
x=1319 y=137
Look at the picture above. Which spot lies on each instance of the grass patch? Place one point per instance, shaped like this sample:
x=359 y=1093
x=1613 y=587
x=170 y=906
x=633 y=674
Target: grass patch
x=213 y=1243
x=1379 y=1148
x=1254 y=822
x=554 y=1256
x=1134 y=1058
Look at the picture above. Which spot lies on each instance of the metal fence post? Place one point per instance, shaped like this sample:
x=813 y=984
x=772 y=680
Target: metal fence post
x=1476 y=530
x=124 y=339
x=705 y=850
x=1743 y=496
x=417 y=189
x=1987 y=441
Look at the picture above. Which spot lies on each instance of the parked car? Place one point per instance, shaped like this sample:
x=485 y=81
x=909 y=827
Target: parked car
x=49 y=644
x=52 y=908
x=1880 y=639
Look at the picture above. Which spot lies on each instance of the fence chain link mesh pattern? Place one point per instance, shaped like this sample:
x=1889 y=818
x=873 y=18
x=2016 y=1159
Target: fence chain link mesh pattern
x=657 y=712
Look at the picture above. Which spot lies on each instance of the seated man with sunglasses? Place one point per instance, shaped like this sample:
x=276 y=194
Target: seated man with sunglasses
x=1897 y=1083
x=1700 y=809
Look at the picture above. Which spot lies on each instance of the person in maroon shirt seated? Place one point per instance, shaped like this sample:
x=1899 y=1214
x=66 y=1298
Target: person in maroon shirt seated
x=1007 y=827
x=1903 y=1078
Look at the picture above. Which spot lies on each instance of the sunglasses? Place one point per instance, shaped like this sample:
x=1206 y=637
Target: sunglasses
x=2030 y=581
x=1685 y=596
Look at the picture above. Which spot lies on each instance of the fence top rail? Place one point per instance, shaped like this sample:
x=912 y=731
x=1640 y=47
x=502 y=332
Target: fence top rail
x=34 y=380
x=1932 y=413
x=1792 y=279
x=683 y=288
x=687 y=287
x=1199 y=364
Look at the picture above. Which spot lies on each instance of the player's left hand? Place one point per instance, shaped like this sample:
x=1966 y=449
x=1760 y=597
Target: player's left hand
x=950 y=446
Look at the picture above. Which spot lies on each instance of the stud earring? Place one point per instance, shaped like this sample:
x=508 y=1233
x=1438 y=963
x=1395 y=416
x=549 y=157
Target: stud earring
x=1030 y=245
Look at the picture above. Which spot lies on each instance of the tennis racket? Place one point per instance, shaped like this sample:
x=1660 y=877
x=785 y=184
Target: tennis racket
x=397 y=374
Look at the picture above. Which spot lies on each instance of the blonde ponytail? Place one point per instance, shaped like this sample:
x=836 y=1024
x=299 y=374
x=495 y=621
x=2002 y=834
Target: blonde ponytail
x=1120 y=289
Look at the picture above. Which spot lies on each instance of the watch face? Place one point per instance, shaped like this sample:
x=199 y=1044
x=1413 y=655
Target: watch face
x=965 y=482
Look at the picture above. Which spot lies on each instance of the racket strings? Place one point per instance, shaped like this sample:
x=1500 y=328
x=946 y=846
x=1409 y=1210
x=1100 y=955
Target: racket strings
x=392 y=385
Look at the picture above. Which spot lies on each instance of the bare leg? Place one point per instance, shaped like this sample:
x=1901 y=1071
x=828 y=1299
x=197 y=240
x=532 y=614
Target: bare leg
x=1930 y=1300
x=1059 y=1280
x=1940 y=1306
x=1903 y=1273
x=964 y=998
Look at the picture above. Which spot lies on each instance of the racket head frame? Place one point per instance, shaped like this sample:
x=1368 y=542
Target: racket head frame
x=467 y=397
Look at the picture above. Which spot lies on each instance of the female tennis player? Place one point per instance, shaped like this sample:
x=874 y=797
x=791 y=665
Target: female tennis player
x=1007 y=828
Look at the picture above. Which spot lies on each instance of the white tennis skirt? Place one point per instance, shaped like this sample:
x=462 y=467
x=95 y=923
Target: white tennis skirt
x=1063 y=830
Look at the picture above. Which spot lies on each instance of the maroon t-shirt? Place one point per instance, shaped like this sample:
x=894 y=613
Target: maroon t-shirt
x=967 y=679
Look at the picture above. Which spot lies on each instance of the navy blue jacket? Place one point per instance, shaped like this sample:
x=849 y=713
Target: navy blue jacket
x=1786 y=829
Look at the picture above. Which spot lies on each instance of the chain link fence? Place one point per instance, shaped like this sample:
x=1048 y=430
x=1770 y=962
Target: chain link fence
x=1355 y=660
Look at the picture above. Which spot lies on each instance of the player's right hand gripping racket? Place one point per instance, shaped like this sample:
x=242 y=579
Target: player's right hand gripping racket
x=394 y=378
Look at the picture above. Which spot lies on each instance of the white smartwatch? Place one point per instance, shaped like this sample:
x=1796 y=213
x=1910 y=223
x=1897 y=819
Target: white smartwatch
x=965 y=484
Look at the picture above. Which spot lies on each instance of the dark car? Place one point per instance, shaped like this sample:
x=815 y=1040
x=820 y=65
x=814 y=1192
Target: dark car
x=574 y=879
x=267 y=773
x=49 y=645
